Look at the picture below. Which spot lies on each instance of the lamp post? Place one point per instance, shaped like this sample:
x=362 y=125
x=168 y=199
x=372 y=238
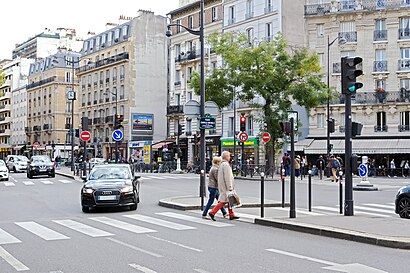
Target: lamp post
x=199 y=33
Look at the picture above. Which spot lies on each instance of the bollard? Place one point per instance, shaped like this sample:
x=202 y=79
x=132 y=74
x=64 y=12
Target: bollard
x=341 y=192
x=262 y=195
x=310 y=190
x=283 y=188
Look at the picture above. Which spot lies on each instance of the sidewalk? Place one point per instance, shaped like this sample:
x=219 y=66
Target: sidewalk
x=388 y=232
x=66 y=172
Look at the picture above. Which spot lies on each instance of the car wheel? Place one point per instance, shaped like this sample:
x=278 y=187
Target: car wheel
x=85 y=209
x=404 y=207
x=134 y=207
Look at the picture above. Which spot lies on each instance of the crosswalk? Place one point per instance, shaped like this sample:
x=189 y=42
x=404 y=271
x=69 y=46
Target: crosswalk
x=41 y=181
x=167 y=177
x=103 y=226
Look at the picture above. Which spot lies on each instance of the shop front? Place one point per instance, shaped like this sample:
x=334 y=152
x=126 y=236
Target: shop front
x=140 y=151
x=250 y=148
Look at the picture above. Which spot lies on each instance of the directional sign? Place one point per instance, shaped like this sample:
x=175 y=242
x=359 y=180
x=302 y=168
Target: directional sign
x=36 y=145
x=266 y=137
x=207 y=123
x=243 y=136
x=363 y=170
x=117 y=135
x=85 y=135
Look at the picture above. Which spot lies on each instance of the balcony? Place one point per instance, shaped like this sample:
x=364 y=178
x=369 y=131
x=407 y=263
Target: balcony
x=47 y=127
x=268 y=9
x=404 y=128
x=248 y=15
x=231 y=21
x=5 y=107
x=104 y=62
x=175 y=109
x=317 y=9
x=41 y=82
x=380 y=66
x=380 y=35
x=404 y=64
x=404 y=33
x=380 y=128
x=96 y=121
x=5 y=132
x=350 y=37
x=109 y=119
x=95 y=101
x=177 y=83
x=27 y=130
x=347 y=5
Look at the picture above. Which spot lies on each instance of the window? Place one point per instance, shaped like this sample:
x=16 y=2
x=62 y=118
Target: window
x=125 y=31
x=91 y=44
x=249 y=9
x=109 y=37
x=320 y=30
x=405 y=83
x=97 y=42
x=348 y=31
x=320 y=120
x=321 y=59
x=347 y=4
x=177 y=99
x=117 y=34
x=405 y=53
x=189 y=73
x=191 y=22
x=188 y=126
x=404 y=121
x=231 y=14
x=380 y=63
x=178 y=77
x=177 y=50
x=122 y=93
x=249 y=35
x=103 y=40
x=230 y=127
x=122 y=71
x=214 y=14
x=380 y=31
x=268 y=31
x=381 y=120
x=268 y=7
x=404 y=28
x=249 y=126
x=380 y=84
x=68 y=77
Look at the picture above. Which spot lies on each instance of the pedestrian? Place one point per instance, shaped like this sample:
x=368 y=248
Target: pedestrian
x=320 y=165
x=57 y=160
x=297 y=166
x=303 y=164
x=392 y=168
x=286 y=163
x=334 y=165
x=213 y=188
x=406 y=169
x=225 y=184
x=372 y=167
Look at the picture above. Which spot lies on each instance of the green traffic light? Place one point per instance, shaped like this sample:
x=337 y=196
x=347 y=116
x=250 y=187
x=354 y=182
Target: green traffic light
x=356 y=86
x=352 y=88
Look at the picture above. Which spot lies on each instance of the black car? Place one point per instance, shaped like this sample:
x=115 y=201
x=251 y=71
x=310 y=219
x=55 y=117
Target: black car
x=110 y=185
x=40 y=165
x=403 y=202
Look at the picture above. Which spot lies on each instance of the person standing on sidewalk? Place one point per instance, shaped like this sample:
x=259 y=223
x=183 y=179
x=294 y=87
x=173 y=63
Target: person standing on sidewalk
x=320 y=164
x=213 y=188
x=297 y=166
x=225 y=184
x=392 y=168
x=334 y=164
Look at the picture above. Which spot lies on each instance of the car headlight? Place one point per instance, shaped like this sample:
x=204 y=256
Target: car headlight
x=127 y=189
x=88 y=190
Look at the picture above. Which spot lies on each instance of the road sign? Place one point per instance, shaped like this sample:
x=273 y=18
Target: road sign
x=117 y=135
x=85 y=135
x=266 y=137
x=243 y=136
x=36 y=145
x=207 y=123
x=363 y=170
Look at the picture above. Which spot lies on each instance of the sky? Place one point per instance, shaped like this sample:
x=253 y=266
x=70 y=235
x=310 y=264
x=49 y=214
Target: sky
x=26 y=18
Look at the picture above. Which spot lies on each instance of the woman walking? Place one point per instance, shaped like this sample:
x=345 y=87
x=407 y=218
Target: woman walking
x=213 y=188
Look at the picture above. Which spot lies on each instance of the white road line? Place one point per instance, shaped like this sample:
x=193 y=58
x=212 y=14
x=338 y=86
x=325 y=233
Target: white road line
x=356 y=212
x=170 y=177
x=302 y=257
x=391 y=204
x=375 y=210
x=145 y=178
x=80 y=227
x=301 y=211
x=42 y=231
x=9 y=184
x=28 y=183
x=175 y=243
x=142 y=268
x=19 y=266
x=66 y=181
x=157 y=177
x=194 y=219
x=392 y=207
x=200 y=270
x=135 y=248
x=7 y=238
x=122 y=225
x=159 y=222
x=46 y=182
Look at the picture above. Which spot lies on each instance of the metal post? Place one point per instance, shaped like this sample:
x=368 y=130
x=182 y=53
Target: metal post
x=310 y=191
x=202 y=104
x=328 y=97
x=178 y=148
x=348 y=154
x=72 y=117
x=242 y=158
x=84 y=158
x=115 y=118
x=283 y=185
x=292 y=213
x=340 y=195
x=262 y=195
x=234 y=128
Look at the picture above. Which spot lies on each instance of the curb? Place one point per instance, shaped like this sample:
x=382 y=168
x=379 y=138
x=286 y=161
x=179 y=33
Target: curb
x=69 y=176
x=345 y=234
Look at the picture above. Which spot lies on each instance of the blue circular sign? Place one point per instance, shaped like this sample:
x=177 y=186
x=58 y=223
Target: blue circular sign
x=363 y=170
x=117 y=135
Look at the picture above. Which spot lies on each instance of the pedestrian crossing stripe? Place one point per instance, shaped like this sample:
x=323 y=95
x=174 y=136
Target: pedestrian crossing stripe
x=7 y=238
x=9 y=184
x=159 y=222
x=47 y=182
x=193 y=219
x=391 y=207
x=83 y=228
x=375 y=210
x=65 y=181
x=42 y=231
x=122 y=225
x=301 y=211
x=28 y=183
x=356 y=212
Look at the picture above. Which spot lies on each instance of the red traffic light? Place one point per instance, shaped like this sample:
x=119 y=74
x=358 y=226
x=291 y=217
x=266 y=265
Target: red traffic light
x=242 y=119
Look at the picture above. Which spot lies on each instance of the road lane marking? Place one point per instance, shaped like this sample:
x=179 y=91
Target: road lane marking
x=9 y=184
x=200 y=270
x=159 y=222
x=28 y=183
x=47 y=182
x=42 y=231
x=82 y=228
x=7 y=238
x=65 y=181
x=157 y=177
x=356 y=212
x=390 y=207
x=294 y=255
x=19 y=266
x=301 y=211
x=194 y=219
x=142 y=268
x=175 y=243
x=135 y=248
x=375 y=210
x=122 y=225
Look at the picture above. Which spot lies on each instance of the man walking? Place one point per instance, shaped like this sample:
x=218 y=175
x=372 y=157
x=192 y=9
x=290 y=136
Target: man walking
x=225 y=184
x=320 y=164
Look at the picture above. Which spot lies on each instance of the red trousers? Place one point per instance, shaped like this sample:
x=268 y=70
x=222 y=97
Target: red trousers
x=219 y=206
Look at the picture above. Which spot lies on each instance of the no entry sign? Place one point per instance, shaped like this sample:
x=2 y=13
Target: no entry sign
x=85 y=135
x=266 y=137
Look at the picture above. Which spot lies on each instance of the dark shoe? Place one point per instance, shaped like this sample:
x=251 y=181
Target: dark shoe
x=212 y=216
x=233 y=217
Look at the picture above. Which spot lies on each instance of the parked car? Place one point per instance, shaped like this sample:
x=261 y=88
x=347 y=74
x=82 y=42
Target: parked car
x=17 y=163
x=403 y=202
x=4 y=171
x=110 y=186
x=40 y=165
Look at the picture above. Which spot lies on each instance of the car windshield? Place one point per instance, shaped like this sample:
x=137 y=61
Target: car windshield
x=110 y=172
x=42 y=159
x=21 y=158
x=2 y=163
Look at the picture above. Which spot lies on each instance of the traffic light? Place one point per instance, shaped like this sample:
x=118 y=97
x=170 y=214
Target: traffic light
x=180 y=129
x=330 y=148
x=356 y=129
x=242 y=121
x=349 y=74
x=331 y=125
x=77 y=132
x=118 y=120
x=286 y=127
x=84 y=123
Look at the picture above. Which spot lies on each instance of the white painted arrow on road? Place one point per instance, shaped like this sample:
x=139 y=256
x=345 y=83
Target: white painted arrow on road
x=348 y=268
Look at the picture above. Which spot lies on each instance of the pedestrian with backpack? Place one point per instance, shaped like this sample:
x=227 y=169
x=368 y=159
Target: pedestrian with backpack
x=335 y=165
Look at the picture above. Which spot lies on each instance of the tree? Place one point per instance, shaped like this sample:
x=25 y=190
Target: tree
x=270 y=77
x=2 y=78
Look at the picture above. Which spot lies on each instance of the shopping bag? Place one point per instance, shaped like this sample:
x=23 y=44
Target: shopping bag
x=233 y=199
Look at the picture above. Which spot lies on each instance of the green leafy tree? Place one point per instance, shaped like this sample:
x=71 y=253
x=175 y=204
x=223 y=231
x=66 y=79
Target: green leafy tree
x=2 y=78
x=270 y=77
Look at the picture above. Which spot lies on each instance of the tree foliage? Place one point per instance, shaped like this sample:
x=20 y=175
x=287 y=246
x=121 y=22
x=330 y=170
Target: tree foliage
x=2 y=79
x=271 y=76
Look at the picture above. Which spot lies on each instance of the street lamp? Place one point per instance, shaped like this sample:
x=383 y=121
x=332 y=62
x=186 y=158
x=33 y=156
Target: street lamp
x=199 y=33
x=115 y=120
x=329 y=44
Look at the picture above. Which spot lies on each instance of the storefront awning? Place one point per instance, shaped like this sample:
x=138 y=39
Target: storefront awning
x=302 y=144
x=18 y=147
x=362 y=146
x=161 y=144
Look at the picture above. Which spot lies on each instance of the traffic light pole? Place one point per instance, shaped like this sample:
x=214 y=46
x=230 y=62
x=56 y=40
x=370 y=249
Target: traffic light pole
x=178 y=148
x=292 y=213
x=348 y=156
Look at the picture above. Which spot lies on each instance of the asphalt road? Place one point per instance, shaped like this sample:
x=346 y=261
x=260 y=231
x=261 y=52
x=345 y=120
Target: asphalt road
x=42 y=229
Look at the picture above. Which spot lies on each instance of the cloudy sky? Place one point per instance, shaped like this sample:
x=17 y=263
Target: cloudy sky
x=27 y=18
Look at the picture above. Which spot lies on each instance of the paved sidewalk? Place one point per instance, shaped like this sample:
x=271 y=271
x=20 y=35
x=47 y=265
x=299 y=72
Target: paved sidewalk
x=66 y=172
